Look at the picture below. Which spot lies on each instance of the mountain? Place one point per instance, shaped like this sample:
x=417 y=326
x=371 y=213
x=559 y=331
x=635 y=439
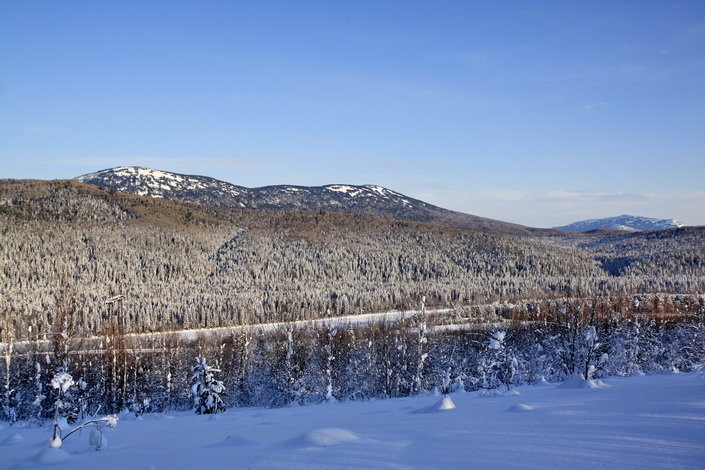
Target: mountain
x=184 y=265
x=627 y=223
x=369 y=200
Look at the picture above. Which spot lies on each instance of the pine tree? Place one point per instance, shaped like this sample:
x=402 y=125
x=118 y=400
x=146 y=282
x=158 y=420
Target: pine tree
x=207 y=392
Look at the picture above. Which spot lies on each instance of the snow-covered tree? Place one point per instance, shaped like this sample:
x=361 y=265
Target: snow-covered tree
x=9 y=405
x=39 y=384
x=62 y=382
x=498 y=365
x=590 y=355
x=421 y=353
x=330 y=333
x=206 y=390
x=446 y=383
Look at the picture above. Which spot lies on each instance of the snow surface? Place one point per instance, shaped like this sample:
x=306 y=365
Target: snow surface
x=325 y=437
x=637 y=422
x=444 y=404
x=520 y=408
x=577 y=381
x=51 y=456
x=344 y=188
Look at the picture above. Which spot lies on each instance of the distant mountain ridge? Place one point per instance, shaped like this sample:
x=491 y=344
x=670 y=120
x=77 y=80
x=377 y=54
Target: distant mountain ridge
x=628 y=223
x=369 y=200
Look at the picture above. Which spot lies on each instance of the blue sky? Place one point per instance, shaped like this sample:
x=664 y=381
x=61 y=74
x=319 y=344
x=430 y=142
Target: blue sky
x=534 y=112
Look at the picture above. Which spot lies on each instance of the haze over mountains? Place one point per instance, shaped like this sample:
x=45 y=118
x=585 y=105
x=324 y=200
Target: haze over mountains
x=628 y=223
x=369 y=200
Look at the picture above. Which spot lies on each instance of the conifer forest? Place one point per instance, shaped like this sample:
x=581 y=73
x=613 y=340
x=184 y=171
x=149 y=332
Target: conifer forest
x=152 y=305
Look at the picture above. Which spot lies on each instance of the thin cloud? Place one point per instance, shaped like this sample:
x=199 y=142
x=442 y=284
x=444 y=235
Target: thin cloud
x=568 y=196
x=405 y=164
x=629 y=72
x=504 y=195
x=560 y=196
x=598 y=104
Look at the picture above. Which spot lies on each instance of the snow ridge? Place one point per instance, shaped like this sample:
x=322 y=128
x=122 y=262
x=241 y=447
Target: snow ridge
x=154 y=183
x=368 y=199
x=204 y=190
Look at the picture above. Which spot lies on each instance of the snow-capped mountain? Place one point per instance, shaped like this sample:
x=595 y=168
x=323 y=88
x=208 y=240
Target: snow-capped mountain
x=628 y=223
x=210 y=191
x=370 y=200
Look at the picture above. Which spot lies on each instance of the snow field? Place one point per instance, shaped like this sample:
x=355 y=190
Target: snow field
x=635 y=422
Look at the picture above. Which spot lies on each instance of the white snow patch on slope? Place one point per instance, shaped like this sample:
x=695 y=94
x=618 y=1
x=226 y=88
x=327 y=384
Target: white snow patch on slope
x=154 y=182
x=379 y=189
x=343 y=188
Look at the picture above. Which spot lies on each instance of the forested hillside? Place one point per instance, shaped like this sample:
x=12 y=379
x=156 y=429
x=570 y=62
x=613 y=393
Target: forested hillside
x=675 y=254
x=182 y=265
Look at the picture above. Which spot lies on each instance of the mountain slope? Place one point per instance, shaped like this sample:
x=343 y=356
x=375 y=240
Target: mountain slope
x=369 y=200
x=183 y=265
x=628 y=223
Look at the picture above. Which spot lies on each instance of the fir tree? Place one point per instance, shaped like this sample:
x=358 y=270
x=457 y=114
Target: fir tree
x=207 y=392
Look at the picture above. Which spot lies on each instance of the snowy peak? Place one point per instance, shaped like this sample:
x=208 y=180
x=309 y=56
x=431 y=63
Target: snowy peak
x=368 y=200
x=204 y=190
x=627 y=223
x=155 y=183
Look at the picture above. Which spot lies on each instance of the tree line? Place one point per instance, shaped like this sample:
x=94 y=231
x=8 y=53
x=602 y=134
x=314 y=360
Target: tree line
x=309 y=364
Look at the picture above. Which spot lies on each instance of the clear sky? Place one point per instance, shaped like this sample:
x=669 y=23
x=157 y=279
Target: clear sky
x=535 y=112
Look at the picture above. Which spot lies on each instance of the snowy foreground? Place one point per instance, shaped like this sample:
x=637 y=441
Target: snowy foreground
x=634 y=422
